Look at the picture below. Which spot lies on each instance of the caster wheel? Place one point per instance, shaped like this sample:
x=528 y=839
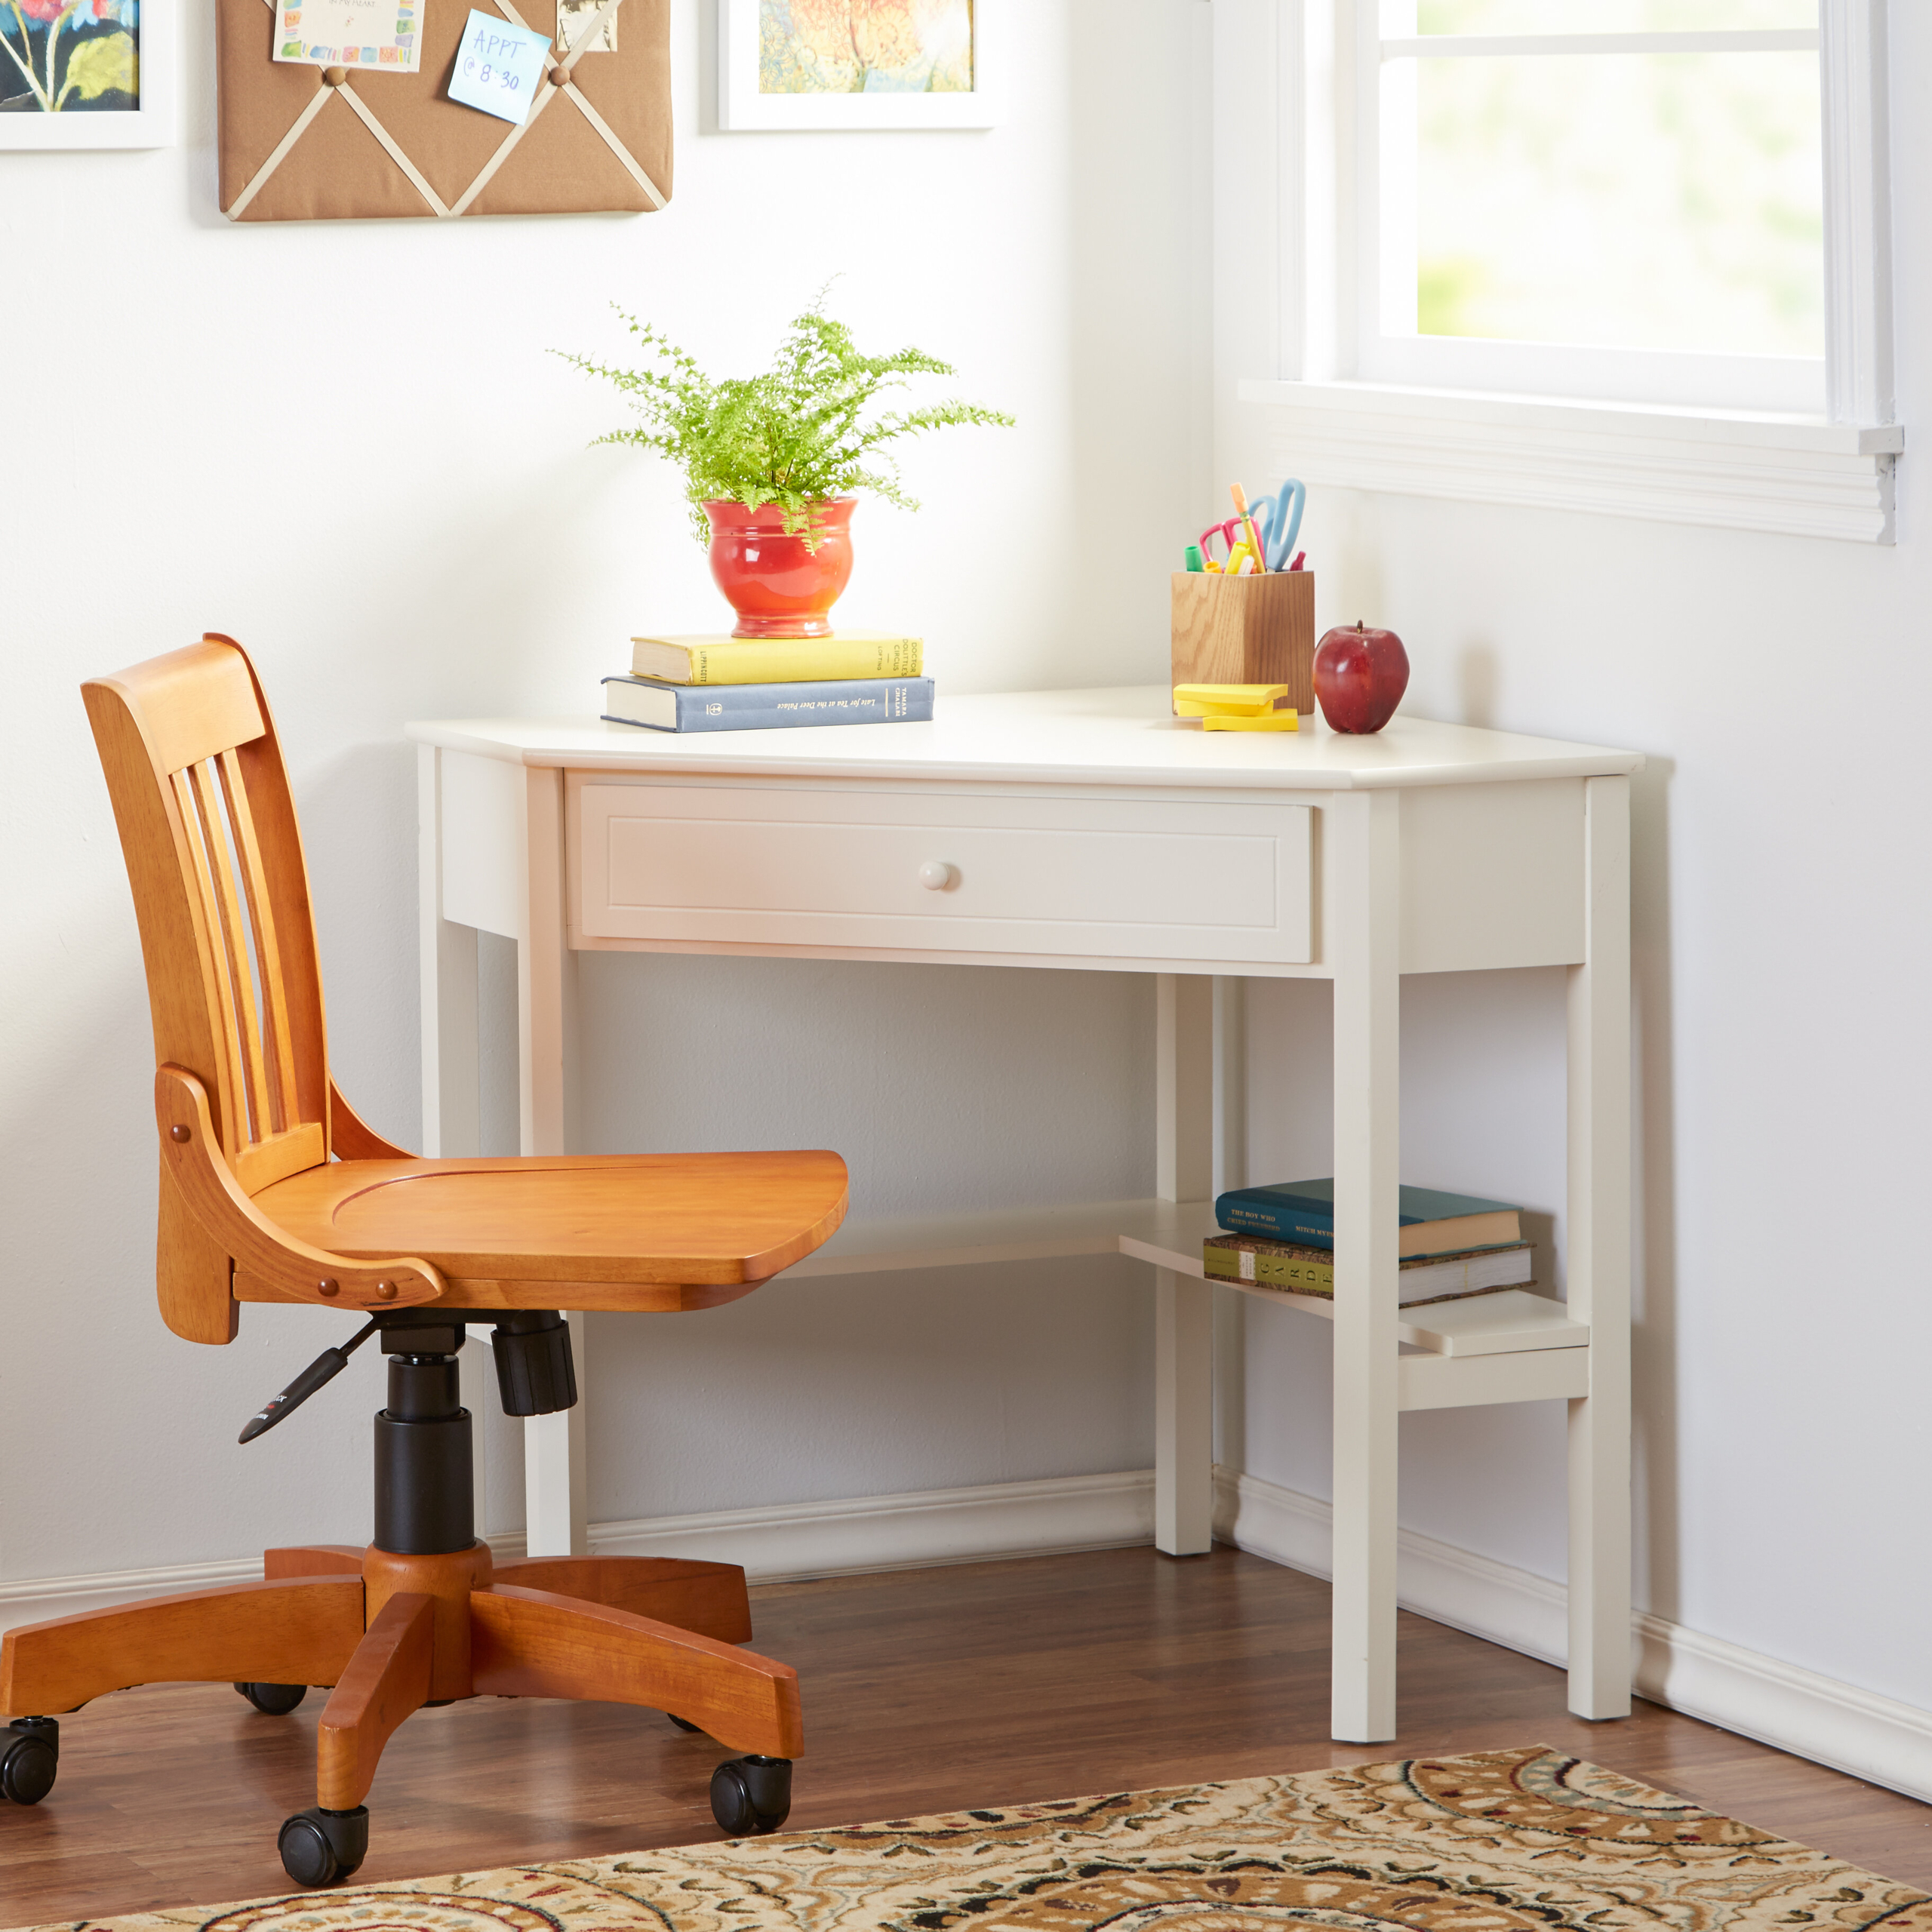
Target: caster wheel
x=751 y=1795
x=274 y=1700
x=29 y=1755
x=321 y=1847
x=683 y=1724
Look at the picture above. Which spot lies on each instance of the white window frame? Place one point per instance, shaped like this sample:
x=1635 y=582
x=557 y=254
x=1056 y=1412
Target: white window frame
x=1715 y=454
x=1390 y=350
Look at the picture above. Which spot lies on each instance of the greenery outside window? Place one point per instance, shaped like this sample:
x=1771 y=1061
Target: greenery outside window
x=1618 y=198
x=1624 y=256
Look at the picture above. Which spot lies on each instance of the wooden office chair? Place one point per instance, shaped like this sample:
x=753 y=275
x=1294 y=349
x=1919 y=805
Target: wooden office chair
x=271 y=1190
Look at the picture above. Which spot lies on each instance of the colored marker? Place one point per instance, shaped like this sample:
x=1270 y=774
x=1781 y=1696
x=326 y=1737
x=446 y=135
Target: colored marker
x=1192 y=559
x=1247 y=523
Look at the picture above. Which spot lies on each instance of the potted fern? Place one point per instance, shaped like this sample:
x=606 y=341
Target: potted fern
x=772 y=463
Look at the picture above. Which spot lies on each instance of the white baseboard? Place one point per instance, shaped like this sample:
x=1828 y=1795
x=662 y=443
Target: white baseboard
x=1811 y=1716
x=781 y=1544
x=908 y=1532
x=1796 y=1710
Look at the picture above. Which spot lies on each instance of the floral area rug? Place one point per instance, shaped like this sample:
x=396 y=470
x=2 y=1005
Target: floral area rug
x=1521 y=1841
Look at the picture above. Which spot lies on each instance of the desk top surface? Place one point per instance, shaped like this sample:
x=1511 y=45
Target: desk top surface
x=1124 y=735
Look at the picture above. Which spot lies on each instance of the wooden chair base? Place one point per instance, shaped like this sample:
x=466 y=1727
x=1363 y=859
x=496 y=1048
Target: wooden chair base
x=392 y=1633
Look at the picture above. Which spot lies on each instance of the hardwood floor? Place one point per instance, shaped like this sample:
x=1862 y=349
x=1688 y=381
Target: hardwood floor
x=924 y=1691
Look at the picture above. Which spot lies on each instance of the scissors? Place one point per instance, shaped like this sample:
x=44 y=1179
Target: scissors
x=1278 y=519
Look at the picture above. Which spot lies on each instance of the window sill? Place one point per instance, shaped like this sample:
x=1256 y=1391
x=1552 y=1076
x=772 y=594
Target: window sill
x=1791 y=475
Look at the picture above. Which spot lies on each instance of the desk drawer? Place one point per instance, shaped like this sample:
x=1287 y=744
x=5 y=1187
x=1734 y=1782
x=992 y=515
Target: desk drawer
x=951 y=871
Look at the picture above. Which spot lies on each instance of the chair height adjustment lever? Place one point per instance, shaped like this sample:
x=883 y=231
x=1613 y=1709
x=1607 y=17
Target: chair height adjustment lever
x=325 y=1367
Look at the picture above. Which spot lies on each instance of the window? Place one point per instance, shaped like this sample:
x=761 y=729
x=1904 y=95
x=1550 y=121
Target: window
x=1630 y=256
x=1601 y=198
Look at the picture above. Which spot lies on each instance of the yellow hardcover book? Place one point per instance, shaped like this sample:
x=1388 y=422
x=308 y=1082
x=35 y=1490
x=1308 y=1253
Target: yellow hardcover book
x=777 y=660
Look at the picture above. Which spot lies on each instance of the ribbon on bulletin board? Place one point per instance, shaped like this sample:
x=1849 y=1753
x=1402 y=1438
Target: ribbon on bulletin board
x=398 y=146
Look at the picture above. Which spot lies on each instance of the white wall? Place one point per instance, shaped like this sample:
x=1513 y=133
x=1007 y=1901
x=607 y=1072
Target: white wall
x=1780 y=689
x=430 y=536
x=416 y=528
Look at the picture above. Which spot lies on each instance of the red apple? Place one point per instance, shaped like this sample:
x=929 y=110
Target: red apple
x=1360 y=676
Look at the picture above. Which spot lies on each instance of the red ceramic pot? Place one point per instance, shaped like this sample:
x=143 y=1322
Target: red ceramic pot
x=778 y=586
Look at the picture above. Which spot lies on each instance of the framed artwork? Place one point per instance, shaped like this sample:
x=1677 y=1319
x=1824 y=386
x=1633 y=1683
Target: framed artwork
x=853 y=63
x=87 y=74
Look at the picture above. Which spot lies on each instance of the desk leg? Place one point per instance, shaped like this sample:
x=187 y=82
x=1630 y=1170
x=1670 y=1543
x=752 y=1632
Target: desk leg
x=1184 y=1309
x=452 y=1083
x=1362 y=856
x=452 y=1107
x=1598 y=1257
x=1183 y=1414
x=554 y=1484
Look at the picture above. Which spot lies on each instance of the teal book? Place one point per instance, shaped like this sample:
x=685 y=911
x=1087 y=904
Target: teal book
x=1432 y=1220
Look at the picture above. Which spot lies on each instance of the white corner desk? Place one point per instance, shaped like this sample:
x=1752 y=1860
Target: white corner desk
x=1089 y=829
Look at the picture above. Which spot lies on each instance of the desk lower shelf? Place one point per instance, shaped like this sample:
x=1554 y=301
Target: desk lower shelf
x=1510 y=1346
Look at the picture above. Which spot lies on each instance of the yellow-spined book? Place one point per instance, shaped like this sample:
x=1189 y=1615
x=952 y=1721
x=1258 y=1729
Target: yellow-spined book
x=777 y=660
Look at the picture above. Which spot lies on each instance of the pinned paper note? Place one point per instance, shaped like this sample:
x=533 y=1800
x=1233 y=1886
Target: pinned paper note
x=499 y=67
x=577 y=18
x=382 y=34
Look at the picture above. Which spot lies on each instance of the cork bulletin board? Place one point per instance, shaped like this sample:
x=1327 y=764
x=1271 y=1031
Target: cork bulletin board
x=309 y=143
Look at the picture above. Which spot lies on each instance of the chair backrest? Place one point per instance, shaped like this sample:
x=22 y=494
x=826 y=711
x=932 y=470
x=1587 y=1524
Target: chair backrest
x=221 y=891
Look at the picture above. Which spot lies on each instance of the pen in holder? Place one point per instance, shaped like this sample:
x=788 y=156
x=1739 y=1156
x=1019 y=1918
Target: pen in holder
x=1246 y=630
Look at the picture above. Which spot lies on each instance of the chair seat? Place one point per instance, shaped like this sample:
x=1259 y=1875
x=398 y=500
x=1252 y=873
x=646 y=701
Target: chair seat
x=629 y=1231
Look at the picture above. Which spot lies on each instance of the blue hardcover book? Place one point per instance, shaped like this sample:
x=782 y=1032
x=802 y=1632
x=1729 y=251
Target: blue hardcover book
x=659 y=706
x=1432 y=1221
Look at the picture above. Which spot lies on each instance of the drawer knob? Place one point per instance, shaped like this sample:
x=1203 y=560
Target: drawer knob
x=936 y=876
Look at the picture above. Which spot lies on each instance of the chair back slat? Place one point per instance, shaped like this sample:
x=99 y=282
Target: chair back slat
x=207 y=822
x=279 y=1051
x=241 y=1033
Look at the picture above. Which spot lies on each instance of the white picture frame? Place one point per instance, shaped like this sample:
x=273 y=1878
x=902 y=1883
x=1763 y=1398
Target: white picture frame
x=742 y=109
x=150 y=124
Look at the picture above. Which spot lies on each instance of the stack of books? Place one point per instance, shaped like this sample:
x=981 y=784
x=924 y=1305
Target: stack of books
x=1450 y=1244
x=759 y=684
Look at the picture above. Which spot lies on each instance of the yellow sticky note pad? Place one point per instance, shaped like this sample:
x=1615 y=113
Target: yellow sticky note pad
x=1226 y=700
x=1267 y=720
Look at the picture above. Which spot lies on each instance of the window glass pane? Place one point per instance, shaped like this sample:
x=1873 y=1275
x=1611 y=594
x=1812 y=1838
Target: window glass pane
x=1610 y=16
x=1626 y=200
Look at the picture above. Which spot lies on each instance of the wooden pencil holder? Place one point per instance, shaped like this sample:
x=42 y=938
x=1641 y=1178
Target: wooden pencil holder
x=1246 y=630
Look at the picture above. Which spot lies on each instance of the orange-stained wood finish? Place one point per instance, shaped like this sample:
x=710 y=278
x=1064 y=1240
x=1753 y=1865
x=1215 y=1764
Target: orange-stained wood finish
x=314 y=1559
x=460 y=1292
x=698 y=1219
x=301 y=1272
x=352 y=1138
x=193 y=1274
x=708 y=1597
x=388 y=1677
x=448 y=1581
x=273 y=1188
x=297 y=1630
x=529 y=1644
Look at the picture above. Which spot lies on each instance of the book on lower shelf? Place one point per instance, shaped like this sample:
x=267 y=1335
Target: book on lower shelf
x=662 y=706
x=776 y=660
x=1253 y=1259
x=1432 y=1220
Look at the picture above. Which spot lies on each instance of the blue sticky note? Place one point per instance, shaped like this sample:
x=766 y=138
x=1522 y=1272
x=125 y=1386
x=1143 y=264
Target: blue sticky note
x=499 y=67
